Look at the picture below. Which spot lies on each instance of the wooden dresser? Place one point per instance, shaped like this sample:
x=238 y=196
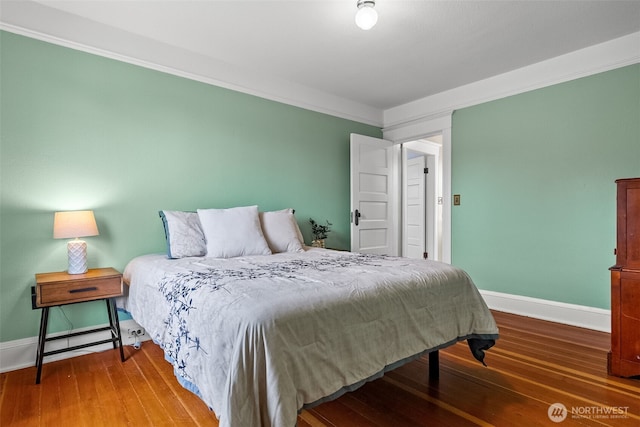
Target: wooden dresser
x=624 y=358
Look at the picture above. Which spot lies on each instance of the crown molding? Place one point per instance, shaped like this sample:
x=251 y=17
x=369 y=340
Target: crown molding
x=595 y=59
x=38 y=21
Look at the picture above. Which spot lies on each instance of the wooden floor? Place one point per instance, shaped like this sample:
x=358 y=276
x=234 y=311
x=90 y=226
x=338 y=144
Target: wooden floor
x=534 y=364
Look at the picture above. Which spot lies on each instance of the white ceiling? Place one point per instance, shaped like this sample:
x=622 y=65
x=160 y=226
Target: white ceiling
x=313 y=48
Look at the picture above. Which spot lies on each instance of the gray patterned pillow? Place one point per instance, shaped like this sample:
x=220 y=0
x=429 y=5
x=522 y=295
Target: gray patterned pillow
x=184 y=234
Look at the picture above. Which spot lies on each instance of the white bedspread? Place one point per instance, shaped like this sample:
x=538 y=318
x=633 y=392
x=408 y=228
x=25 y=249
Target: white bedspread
x=259 y=337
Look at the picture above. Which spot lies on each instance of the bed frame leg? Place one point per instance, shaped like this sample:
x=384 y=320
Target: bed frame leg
x=434 y=365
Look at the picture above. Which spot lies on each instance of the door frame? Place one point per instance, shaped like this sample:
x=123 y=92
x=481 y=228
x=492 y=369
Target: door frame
x=425 y=129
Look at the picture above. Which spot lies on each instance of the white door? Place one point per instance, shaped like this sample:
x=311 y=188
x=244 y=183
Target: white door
x=373 y=195
x=415 y=213
x=421 y=210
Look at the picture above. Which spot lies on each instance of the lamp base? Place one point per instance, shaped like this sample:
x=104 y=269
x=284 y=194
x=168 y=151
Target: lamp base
x=77 y=251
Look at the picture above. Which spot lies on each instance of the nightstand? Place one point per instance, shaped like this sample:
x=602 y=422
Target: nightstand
x=62 y=288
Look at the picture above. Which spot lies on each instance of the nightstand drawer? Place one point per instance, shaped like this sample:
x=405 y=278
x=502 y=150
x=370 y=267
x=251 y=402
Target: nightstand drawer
x=59 y=289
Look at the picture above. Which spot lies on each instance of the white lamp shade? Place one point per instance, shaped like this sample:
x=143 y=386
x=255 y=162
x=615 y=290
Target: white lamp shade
x=366 y=17
x=73 y=224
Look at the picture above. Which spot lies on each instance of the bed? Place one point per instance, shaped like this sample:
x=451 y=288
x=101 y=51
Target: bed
x=259 y=337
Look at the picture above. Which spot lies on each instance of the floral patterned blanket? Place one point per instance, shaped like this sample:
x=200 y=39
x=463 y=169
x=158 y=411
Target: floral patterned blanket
x=259 y=337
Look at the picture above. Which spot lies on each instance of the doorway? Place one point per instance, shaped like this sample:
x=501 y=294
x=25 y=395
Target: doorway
x=379 y=189
x=422 y=198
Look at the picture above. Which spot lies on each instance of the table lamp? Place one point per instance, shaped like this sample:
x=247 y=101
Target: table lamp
x=72 y=225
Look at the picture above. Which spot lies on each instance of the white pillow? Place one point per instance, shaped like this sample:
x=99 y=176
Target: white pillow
x=233 y=232
x=280 y=228
x=184 y=234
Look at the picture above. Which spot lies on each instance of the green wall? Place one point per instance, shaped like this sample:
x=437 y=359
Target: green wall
x=84 y=132
x=536 y=176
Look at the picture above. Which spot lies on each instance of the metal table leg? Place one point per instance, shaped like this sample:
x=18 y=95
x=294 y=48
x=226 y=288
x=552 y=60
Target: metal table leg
x=44 y=319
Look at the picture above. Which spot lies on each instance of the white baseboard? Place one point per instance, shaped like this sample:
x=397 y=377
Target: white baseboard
x=569 y=314
x=21 y=353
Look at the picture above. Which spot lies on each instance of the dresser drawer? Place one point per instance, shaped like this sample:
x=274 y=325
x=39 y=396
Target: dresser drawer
x=58 y=291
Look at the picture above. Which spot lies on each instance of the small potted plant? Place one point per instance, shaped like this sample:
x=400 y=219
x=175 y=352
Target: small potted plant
x=319 y=232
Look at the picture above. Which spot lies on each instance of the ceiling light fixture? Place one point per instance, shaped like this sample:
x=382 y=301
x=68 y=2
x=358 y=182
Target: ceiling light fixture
x=366 y=17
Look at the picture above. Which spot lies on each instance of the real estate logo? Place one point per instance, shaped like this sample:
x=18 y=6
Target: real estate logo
x=557 y=412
